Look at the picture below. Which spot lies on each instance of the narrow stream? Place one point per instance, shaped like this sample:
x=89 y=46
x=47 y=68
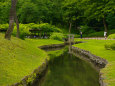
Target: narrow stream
x=65 y=69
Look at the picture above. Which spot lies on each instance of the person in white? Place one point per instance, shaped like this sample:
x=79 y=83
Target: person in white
x=105 y=35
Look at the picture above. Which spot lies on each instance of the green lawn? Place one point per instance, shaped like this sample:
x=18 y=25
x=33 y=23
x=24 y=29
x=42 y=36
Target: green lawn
x=97 y=47
x=19 y=58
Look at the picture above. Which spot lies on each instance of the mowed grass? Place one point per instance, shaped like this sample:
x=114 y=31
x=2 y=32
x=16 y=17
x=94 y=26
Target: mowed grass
x=97 y=47
x=18 y=58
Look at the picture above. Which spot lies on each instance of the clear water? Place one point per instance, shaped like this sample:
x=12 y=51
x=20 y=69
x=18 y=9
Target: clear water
x=67 y=70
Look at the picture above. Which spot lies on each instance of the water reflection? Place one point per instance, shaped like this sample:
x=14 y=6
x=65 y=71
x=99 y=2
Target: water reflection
x=68 y=70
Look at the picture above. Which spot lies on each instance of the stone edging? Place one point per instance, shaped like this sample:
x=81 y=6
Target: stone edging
x=97 y=61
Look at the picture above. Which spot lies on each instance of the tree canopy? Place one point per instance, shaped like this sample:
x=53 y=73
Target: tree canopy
x=62 y=12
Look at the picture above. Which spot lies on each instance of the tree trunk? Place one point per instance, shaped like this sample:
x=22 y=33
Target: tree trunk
x=11 y=19
x=70 y=37
x=105 y=24
x=69 y=33
x=17 y=24
x=70 y=27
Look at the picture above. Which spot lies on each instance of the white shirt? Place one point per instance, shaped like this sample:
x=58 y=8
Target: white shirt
x=105 y=33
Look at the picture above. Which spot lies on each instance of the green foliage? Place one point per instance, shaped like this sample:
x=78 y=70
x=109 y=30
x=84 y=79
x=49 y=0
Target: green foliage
x=99 y=34
x=24 y=30
x=110 y=46
x=57 y=36
x=111 y=21
x=85 y=29
x=27 y=12
x=112 y=36
x=45 y=27
x=61 y=12
x=95 y=34
x=97 y=9
x=4 y=11
x=4 y=26
x=77 y=36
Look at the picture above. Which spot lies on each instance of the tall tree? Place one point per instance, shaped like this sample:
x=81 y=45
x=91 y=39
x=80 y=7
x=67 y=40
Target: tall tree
x=70 y=12
x=12 y=19
x=98 y=9
x=4 y=11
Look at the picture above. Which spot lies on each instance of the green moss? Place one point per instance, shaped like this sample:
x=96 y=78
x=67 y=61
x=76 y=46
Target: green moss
x=18 y=58
x=97 y=47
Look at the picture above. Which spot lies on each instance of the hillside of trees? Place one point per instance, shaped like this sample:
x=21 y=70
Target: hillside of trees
x=91 y=15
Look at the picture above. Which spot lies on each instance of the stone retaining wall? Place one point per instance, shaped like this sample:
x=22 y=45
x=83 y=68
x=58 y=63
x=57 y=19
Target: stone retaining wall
x=98 y=62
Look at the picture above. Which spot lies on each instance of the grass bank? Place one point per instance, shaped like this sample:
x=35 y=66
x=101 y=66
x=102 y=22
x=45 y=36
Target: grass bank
x=97 y=47
x=19 y=58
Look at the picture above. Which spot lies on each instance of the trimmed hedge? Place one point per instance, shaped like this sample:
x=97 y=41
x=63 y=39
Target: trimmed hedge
x=110 y=46
x=112 y=36
x=25 y=29
x=44 y=27
x=57 y=36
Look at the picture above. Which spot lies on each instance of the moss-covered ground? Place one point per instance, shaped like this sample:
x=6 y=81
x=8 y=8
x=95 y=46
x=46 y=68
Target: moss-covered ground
x=18 y=58
x=97 y=47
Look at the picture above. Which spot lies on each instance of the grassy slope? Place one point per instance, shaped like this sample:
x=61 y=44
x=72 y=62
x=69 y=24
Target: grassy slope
x=19 y=58
x=97 y=47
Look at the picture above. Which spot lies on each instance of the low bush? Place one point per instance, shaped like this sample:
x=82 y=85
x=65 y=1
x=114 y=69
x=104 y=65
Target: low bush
x=57 y=36
x=4 y=26
x=24 y=30
x=96 y=34
x=77 y=36
x=86 y=29
x=112 y=36
x=110 y=46
x=44 y=27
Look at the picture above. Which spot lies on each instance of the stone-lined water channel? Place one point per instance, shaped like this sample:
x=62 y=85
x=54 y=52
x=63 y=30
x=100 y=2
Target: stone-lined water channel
x=65 y=69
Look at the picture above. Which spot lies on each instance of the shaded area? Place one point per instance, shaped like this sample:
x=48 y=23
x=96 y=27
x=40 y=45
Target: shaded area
x=68 y=70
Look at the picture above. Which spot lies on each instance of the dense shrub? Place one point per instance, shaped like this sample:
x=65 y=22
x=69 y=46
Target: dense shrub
x=110 y=46
x=77 y=36
x=112 y=36
x=86 y=29
x=96 y=34
x=24 y=30
x=99 y=34
x=4 y=26
x=57 y=36
x=111 y=20
x=45 y=27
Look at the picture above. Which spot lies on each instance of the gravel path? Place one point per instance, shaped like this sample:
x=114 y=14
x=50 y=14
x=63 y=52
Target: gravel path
x=97 y=38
